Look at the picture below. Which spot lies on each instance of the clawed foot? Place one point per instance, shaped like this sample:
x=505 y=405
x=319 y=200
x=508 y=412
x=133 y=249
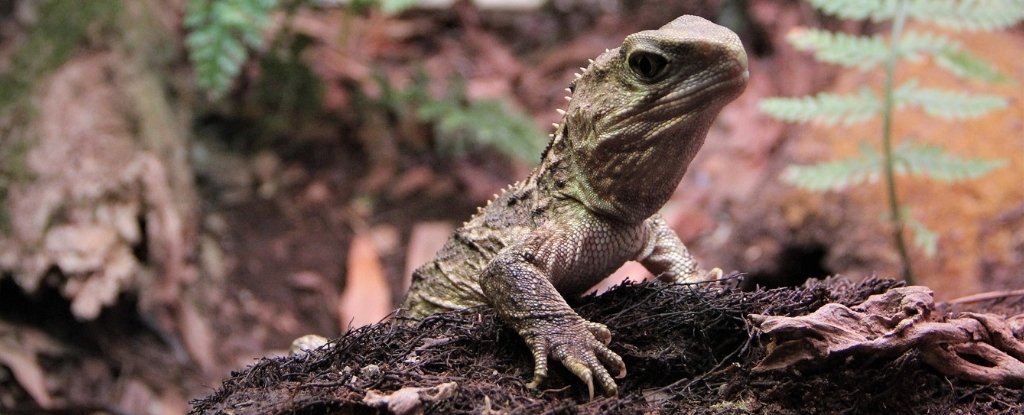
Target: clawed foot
x=699 y=275
x=714 y=275
x=581 y=346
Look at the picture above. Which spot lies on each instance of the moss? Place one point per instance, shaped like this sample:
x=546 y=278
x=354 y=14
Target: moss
x=13 y=169
x=62 y=26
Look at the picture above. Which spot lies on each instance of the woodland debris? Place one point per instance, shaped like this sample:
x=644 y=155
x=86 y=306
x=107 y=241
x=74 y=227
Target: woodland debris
x=888 y=325
x=688 y=346
x=366 y=299
x=100 y=209
x=409 y=401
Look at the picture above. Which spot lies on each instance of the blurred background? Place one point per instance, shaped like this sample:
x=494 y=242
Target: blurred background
x=188 y=185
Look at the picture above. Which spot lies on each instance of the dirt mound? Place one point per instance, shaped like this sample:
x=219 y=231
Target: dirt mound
x=688 y=350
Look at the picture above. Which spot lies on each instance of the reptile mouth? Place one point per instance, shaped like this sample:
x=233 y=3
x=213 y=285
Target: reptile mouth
x=674 y=107
x=735 y=75
x=729 y=85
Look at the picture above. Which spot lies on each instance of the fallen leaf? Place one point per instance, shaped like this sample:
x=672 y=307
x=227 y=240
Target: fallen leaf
x=27 y=372
x=198 y=336
x=409 y=401
x=630 y=271
x=367 y=298
x=425 y=240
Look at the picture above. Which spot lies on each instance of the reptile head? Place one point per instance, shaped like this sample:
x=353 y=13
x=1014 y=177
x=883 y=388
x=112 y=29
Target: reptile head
x=640 y=112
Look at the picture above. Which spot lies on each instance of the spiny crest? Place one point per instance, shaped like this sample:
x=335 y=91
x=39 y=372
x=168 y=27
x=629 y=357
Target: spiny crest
x=568 y=98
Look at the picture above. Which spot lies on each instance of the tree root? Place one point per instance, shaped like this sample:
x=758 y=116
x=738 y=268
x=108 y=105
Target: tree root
x=983 y=348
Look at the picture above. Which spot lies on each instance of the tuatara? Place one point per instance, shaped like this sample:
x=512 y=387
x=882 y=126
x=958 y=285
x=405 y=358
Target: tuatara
x=636 y=118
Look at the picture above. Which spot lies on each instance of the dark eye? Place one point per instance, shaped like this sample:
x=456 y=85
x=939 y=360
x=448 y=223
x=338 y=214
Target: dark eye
x=648 y=66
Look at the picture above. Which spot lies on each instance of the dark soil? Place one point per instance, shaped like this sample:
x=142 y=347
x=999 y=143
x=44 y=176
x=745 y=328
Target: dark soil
x=688 y=350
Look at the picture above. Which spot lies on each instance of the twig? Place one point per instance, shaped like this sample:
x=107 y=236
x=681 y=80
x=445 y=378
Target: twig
x=991 y=295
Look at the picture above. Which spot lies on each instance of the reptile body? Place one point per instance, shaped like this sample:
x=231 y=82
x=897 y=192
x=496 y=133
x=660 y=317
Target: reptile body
x=636 y=118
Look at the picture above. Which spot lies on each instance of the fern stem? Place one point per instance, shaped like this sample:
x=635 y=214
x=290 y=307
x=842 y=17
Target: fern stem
x=896 y=213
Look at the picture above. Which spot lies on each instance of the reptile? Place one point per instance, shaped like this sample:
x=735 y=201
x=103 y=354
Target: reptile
x=636 y=117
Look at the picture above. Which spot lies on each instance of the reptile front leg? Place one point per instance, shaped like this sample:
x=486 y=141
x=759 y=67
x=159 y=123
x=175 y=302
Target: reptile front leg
x=525 y=298
x=665 y=256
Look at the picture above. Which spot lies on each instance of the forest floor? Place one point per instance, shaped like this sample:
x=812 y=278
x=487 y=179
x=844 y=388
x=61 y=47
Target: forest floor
x=688 y=349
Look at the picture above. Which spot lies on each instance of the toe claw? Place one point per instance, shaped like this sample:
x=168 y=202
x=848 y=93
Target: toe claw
x=580 y=346
x=611 y=359
x=714 y=275
x=590 y=388
x=600 y=332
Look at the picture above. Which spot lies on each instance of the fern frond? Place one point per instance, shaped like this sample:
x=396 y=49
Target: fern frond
x=837 y=174
x=925 y=239
x=396 y=6
x=968 y=14
x=949 y=104
x=913 y=44
x=862 y=52
x=220 y=32
x=964 y=64
x=949 y=55
x=876 y=10
x=461 y=127
x=934 y=162
x=954 y=14
x=824 y=108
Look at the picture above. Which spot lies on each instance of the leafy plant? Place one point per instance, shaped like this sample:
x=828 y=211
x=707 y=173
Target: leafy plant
x=871 y=52
x=386 y=6
x=461 y=125
x=221 y=31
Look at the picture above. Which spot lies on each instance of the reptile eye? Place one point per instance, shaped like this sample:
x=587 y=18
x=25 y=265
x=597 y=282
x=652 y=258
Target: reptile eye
x=648 y=66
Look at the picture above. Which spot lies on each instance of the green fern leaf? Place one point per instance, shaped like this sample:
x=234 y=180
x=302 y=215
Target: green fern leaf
x=460 y=127
x=968 y=14
x=876 y=10
x=954 y=14
x=913 y=44
x=925 y=239
x=948 y=104
x=824 y=108
x=865 y=52
x=839 y=48
x=220 y=32
x=396 y=6
x=966 y=65
x=949 y=55
x=837 y=174
x=934 y=162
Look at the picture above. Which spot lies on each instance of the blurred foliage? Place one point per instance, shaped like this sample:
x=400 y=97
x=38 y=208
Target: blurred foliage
x=953 y=14
x=461 y=125
x=220 y=33
x=288 y=93
x=61 y=27
x=14 y=169
x=869 y=52
x=386 y=6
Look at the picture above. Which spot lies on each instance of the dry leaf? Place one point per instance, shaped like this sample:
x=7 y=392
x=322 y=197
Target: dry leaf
x=27 y=372
x=367 y=298
x=426 y=239
x=198 y=336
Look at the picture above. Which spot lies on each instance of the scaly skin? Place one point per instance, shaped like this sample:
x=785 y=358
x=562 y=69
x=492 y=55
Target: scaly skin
x=636 y=118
